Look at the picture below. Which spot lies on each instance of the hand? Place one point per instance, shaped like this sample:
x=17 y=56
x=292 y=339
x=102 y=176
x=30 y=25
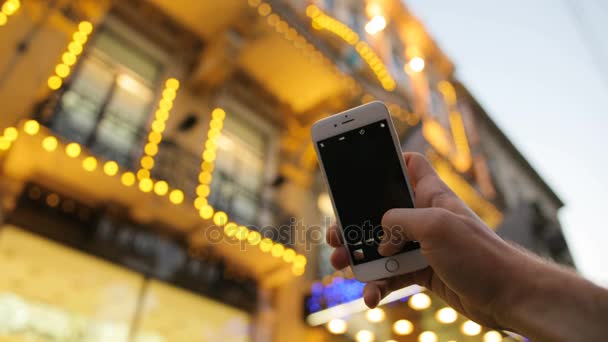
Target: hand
x=470 y=267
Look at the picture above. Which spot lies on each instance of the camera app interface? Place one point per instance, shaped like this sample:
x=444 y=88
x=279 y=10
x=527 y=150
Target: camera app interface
x=366 y=180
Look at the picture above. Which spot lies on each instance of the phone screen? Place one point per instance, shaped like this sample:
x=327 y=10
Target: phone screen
x=366 y=180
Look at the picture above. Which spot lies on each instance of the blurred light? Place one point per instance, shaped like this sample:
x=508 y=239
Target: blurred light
x=427 y=336
x=31 y=127
x=4 y=144
x=254 y=3
x=289 y=255
x=299 y=261
x=131 y=85
x=264 y=9
x=204 y=177
x=230 y=229
x=10 y=7
x=337 y=326
x=89 y=164
x=147 y=162
x=297 y=271
x=199 y=202
x=155 y=137
x=151 y=149
x=375 y=25
x=75 y=48
x=172 y=83
x=85 y=27
x=277 y=250
x=176 y=196
x=470 y=328
x=11 y=134
x=143 y=174
x=216 y=124
x=79 y=37
x=206 y=212
x=110 y=168
x=220 y=218
x=209 y=156
x=203 y=190
x=158 y=126
x=146 y=185
x=73 y=150
x=416 y=64
x=3 y=19
x=364 y=336
x=375 y=315
x=49 y=144
x=161 y=188
x=52 y=200
x=324 y=204
x=62 y=70
x=266 y=245
x=403 y=327
x=446 y=315
x=420 y=301
x=242 y=233
x=54 y=82
x=373 y=9
x=127 y=179
x=492 y=336
x=255 y=237
x=68 y=58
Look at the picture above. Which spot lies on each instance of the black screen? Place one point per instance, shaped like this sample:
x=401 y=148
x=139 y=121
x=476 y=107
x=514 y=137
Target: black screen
x=366 y=180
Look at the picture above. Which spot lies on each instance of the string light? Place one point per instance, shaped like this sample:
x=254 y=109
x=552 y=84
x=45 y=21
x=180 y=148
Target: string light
x=128 y=179
x=89 y=164
x=337 y=326
x=11 y=134
x=176 y=196
x=470 y=328
x=146 y=185
x=375 y=25
x=49 y=144
x=427 y=336
x=158 y=126
x=364 y=336
x=375 y=315
x=31 y=127
x=419 y=301
x=73 y=150
x=321 y=20
x=254 y=238
x=110 y=168
x=416 y=64
x=403 y=327
x=70 y=56
x=9 y=8
x=492 y=336
x=220 y=218
x=161 y=188
x=446 y=315
x=216 y=124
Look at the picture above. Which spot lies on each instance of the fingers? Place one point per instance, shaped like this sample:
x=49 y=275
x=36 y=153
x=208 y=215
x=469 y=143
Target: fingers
x=418 y=167
x=339 y=258
x=423 y=225
x=333 y=236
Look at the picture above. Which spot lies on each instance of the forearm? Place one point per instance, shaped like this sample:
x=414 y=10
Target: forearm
x=555 y=304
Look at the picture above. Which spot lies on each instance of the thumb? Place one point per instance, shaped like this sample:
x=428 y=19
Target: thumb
x=403 y=225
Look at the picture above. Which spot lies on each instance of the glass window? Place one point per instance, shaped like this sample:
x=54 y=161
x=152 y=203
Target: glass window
x=238 y=177
x=110 y=97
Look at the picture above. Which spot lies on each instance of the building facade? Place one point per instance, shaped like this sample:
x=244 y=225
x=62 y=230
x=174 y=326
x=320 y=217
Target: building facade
x=159 y=182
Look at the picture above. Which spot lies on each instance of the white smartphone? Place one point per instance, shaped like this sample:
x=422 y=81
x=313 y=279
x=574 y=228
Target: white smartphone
x=360 y=156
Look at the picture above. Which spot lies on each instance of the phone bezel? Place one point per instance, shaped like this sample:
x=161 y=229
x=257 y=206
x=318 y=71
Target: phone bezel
x=346 y=121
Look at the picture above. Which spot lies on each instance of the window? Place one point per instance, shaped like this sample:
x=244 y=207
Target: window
x=239 y=173
x=109 y=99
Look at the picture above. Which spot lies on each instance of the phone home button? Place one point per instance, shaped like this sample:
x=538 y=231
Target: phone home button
x=391 y=265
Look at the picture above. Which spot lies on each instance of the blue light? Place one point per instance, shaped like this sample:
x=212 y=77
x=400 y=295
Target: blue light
x=340 y=291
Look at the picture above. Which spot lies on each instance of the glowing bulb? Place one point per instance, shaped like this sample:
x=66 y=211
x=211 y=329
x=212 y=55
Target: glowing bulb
x=110 y=168
x=420 y=301
x=220 y=218
x=75 y=48
x=298 y=271
x=54 y=82
x=161 y=188
x=146 y=185
x=172 y=83
x=143 y=174
x=3 y=19
x=299 y=261
x=127 y=179
x=446 y=315
x=165 y=104
x=161 y=115
x=203 y=190
x=176 y=196
x=49 y=144
x=73 y=150
x=266 y=245
x=427 y=336
x=151 y=149
x=230 y=229
x=206 y=212
x=79 y=37
x=89 y=164
x=200 y=202
x=31 y=127
x=403 y=327
x=147 y=162
x=242 y=233
x=158 y=126
x=208 y=156
x=204 y=178
x=492 y=336
x=375 y=315
x=85 y=27
x=155 y=137
x=470 y=328
x=277 y=250
x=416 y=64
x=4 y=144
x=10 y=7
x=254 y=238
x=364 y=336
x=264 y=9
x=375 y=25
x=289 y=255
x=68 y=58
x=337 y=326
x=11 y=134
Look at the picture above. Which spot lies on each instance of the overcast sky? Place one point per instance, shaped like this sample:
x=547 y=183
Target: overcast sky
x=528 y=65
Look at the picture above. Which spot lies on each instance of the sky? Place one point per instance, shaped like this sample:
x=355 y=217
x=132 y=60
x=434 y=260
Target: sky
x=529 y=65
